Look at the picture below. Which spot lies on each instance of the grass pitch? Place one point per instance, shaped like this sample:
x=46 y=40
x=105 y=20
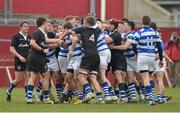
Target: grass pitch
x=18 y=105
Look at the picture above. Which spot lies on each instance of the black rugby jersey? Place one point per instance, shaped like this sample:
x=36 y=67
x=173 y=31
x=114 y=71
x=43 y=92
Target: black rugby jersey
x=20 y=44
x=89 y=38
x=39 y=37
x=117 y=40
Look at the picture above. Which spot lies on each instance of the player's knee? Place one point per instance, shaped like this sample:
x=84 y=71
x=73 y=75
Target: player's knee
x=118 y=72
x=93 y=73
x=82 y=75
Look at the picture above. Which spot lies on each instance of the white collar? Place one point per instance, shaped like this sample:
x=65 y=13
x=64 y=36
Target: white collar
x=45 y=34
x=24 y=35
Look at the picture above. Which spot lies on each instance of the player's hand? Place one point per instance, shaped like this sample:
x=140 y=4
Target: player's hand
x=171 y=61
x=45 y=50
x=59 y=34
x=161 y=64
x=111 y=46
x=60 y=42
x=71 y=53
x=22 y=59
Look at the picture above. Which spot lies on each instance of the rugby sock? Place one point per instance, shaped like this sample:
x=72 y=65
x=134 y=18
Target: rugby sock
x=159 y=97
x=80 y=95
x=148 y=93
x=99 y=95
x=152 y=86
x=87 y=88
x=25 y=88
x=116 y=90
x=111 y=91
x=75 y=93
x=39 y=87
x=29 y=91
x=59 y=90
x=105 y=89
x=10 y=89
x=139 y=89
x=65 y=96
x=46 y=95
x=122 y=90
x=65 y=92
x=132 y=89
x=143 y=90
x=127 y=91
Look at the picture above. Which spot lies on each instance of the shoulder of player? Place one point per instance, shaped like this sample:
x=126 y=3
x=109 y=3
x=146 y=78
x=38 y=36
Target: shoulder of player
x=17 y=36
x=37 y=32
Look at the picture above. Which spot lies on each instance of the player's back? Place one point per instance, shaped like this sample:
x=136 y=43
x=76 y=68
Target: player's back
x=89 y=38
x=146 y=40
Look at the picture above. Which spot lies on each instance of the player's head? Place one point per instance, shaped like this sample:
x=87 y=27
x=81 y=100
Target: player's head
x=113 y=24
x=24 y=27
x=132 y=24
x=70 y=19
x=128 y=25
x=153 y=25
x=67 y=25
x=89 y=21
x=44 y=23
x=100 y=24
x=54 y=24
x=60 y=28
x=40 y=21
x=146 y=20
x=121 y=27
x=78 y=20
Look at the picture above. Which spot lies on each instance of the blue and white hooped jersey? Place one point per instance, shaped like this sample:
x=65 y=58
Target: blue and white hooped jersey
x=129 y=53
x=63 y=51
x=101 y=43
x=50 y=54
x=146 y=40
x=77 y=51
x=105 y=32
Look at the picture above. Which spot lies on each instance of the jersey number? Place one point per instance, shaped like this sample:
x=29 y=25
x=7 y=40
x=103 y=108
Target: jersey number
x=92 y=38
x=149 y=42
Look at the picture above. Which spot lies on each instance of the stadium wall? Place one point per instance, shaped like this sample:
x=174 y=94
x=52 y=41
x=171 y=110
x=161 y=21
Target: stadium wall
x=1 y=5
x=62 y=8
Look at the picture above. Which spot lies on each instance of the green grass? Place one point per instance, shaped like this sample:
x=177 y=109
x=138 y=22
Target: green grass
x=18 y=105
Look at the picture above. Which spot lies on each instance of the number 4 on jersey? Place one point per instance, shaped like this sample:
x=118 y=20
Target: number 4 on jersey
x=92 y=38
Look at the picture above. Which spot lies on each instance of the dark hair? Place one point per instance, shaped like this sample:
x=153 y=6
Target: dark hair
x=132 y=24
x=98 y=19
x=40 y=21
x=124 y=19
x=54 y=22
x=67 y=25
x=153 y=25
x=146 y=20
x=23 y=22
x=90 y=20
x=77 y=18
